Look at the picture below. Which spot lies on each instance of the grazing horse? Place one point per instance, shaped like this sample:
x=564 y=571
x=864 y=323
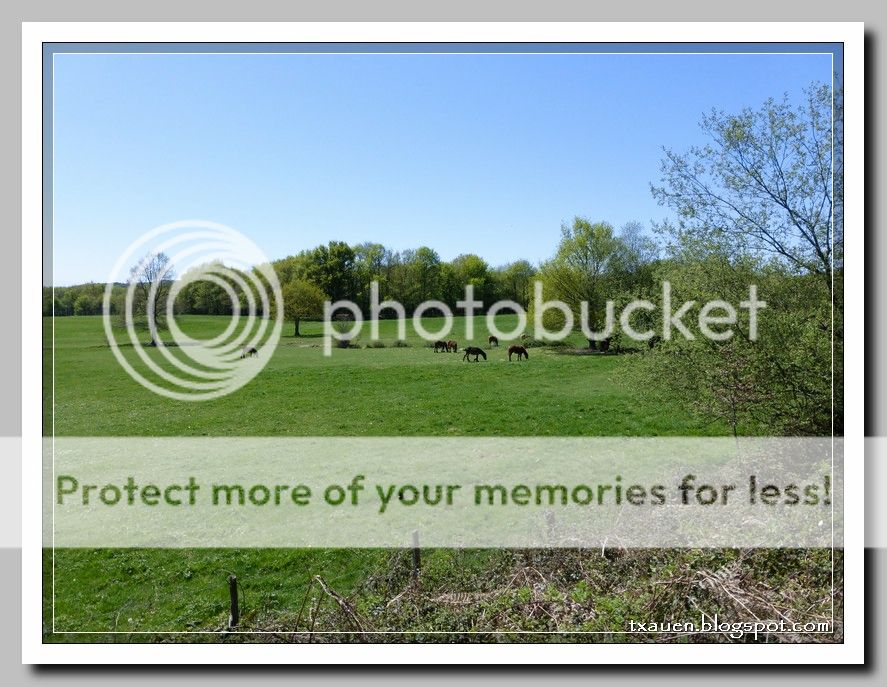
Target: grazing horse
x=493 y=341
x=520 y=350
x=440 y=346
x=249 y=351
x=452 y=346
x=475 y=351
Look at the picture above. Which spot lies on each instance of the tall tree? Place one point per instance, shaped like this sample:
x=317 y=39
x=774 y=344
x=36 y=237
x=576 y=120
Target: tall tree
x=153 y=273
x=369 y=266
x=583 y=268
x=425 y=271
x=763 y=183
x=331 y=267
x=760 y=204
x=292 y=267
x=515 y=281
x=469 y=268
x=638 y=253
x=302 y=299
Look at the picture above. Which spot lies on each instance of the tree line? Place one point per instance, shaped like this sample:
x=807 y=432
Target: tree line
x=339 y=271
x=604 y=258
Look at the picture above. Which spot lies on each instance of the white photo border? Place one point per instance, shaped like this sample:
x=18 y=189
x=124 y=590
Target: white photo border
x=33 y=37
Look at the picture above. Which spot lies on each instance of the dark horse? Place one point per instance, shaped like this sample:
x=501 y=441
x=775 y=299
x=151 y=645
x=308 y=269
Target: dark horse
x=493 y=341
x=440 y=346
x=520 y=350
x=452 y=346
x=475 y=351
x=249 y=351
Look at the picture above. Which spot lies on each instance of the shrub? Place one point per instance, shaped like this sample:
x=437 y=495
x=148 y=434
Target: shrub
x=342 y=326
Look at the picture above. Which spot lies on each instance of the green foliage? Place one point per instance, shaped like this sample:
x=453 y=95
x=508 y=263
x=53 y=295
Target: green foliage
x=763 y=184
x=755 y=207
x=514 y=282
x=408 y=277
x=302 y=299
x=778 y=384
x=331 y=269
x=85 y=299
x=595 y=264
x=200 y=296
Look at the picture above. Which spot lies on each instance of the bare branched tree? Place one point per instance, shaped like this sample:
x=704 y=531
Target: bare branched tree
x=764 y=183
x=151 y=280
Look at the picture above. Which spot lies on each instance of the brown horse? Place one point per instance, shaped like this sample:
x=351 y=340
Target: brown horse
x=440 y=346
x=452 y=346
x=249 y=351
x=475 y=351
x=520 y=350
x=493 y=341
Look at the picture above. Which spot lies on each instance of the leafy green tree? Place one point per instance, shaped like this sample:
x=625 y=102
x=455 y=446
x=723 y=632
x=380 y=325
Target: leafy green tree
x=757 y=206
x=302 y=299
x=469 y=268
x=423 y=266
x=331 y=268
x=82 y=306
x=370 y=261
x=638 y=253
x=584 y=269
x=515 y=282
x=88 y=299
x=292 y=267
x=64 y=301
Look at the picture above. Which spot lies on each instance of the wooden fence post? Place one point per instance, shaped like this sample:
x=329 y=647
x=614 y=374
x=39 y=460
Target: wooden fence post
x=417 y=558
x=234 y=618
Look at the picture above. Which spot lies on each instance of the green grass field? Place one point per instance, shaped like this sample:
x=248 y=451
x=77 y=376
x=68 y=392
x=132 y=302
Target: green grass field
x=361 y=391
x=386 y=391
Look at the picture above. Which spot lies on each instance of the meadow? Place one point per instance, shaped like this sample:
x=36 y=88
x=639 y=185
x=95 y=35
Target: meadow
x=386 y=390
x=390 y=391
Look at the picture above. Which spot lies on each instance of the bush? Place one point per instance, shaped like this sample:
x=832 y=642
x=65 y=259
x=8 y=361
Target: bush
x=342 y=326
x=540 y=343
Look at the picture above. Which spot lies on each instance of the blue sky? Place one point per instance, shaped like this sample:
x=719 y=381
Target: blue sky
x=464 y=153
